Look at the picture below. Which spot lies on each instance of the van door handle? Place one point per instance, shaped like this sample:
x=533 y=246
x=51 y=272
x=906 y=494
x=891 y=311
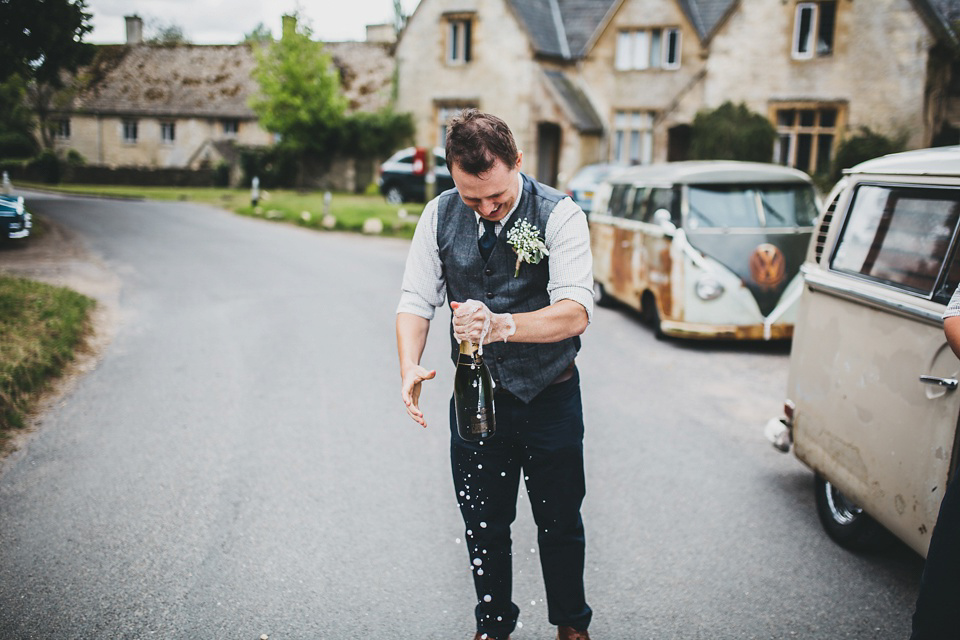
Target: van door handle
x=949 y=383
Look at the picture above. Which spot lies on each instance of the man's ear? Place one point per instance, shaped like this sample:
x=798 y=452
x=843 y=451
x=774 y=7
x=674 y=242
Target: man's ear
x=519 y=159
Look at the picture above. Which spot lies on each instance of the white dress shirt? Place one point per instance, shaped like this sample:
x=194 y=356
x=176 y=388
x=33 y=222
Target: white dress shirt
x=567 y=237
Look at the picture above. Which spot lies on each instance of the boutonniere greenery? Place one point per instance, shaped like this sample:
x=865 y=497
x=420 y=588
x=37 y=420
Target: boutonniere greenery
x=526 y=242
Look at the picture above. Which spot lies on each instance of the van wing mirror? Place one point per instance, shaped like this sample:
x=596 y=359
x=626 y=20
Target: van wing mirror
x=664 y=220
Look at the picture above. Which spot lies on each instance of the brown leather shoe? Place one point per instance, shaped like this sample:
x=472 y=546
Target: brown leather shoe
x=569 y=633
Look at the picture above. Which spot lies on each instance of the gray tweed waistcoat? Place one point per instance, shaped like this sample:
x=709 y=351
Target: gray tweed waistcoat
x=523 y=369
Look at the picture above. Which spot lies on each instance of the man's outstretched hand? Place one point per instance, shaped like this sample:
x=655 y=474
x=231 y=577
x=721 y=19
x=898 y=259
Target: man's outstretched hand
x=410 y=391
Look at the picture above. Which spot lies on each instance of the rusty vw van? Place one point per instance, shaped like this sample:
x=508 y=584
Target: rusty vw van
x=872 y=403
x=704 y=249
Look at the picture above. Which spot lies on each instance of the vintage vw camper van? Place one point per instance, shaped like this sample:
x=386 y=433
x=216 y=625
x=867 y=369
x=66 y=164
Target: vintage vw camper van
x=872 y=403
x=704 y=249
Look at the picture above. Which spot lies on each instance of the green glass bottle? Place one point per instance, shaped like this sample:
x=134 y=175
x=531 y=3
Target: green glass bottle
x=473 y=395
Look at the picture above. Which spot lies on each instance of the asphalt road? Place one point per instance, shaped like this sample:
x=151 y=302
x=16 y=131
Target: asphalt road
x=239 y=463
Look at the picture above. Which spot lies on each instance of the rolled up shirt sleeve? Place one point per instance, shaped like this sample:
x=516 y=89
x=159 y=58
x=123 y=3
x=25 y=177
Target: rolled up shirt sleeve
x=424 y=285
x=567 y=237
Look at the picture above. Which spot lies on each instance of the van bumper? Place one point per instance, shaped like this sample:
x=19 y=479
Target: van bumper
x=719 y=331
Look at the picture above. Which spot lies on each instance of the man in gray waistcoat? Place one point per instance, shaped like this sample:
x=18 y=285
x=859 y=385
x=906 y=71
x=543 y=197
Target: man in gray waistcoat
x=529 y=315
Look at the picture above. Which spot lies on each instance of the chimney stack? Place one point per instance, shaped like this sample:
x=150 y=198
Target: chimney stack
x=134 y=29
x=289 y=27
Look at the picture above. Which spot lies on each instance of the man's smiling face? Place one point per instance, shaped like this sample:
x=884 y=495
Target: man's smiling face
x=490 y=194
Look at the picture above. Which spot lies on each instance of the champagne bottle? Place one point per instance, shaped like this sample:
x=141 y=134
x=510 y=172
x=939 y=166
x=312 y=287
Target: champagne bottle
x=473 y=395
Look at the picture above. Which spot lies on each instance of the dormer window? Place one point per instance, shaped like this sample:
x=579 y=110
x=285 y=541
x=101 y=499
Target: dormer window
x=459 y=39
x=639 y=49
x=813 y=29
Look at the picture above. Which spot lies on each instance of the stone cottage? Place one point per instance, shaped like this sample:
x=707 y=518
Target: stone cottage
x=582 y=81
x=186 y=106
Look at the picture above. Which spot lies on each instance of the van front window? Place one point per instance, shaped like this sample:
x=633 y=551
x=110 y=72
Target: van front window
x=739 y=206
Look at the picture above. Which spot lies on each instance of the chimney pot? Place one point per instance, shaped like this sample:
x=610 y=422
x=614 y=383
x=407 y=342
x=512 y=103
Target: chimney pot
x=134 y=29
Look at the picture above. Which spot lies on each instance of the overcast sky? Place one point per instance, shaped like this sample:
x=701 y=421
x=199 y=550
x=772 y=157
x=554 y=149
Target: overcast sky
x=226 y=21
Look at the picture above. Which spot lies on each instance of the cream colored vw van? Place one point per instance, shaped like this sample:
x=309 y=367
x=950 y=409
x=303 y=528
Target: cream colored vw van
x=704 y=249
x=872 y=403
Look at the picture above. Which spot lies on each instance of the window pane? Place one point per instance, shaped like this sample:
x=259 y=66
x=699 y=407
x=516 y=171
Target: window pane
x=807 y=117
x=824 y=146
x=672 y=53
x=655 y=53
x=722 y=206
x=641 y=50
x=639 y=199
x=634 y=147
x=618 y=148
x=828 y=118
x=803 y=34
x=785 y=117
x=663 y=199
x=788 y=206
x=898 y=235
x=646 y=147
x=804 y=148
x=467 y=56
x=454 y=40
x=784 y=151
x=825 y=28
x=624 y=50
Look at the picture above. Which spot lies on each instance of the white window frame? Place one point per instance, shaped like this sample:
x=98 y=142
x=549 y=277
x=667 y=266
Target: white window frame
x=61 y=130
x=632 y=137
x=230 y=126
x=643 y=49
x=168 y=132
x=459 y=40
x=130 y=131
x=812 y=41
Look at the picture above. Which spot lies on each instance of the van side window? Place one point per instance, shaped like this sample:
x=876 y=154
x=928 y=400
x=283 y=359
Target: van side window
x=618 y=200
x=898 y=235
x=637 y=211
x=661 y=198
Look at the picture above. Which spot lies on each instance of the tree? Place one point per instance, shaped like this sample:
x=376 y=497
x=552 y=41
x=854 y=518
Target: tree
x=731 y=132
x=261 y=34
x=167 y=34
x=16 y=121
x=860 y=147
x=300 y=96
x=40 y=39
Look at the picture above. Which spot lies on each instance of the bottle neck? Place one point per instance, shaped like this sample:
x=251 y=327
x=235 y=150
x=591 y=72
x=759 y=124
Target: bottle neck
x=468 y=348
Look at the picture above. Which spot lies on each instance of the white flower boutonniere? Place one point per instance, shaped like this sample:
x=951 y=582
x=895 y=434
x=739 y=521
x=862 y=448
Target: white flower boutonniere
x=526 y=242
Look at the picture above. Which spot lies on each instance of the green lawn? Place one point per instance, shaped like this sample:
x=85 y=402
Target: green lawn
x=41 y=326
x=349 y=211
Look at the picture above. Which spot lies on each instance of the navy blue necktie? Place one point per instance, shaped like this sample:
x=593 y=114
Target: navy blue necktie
x=488 y=239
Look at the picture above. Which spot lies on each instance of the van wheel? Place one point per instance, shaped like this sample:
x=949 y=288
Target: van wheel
x=600 y=297
x=845 y=522
x=650 y=315
x=394 y=195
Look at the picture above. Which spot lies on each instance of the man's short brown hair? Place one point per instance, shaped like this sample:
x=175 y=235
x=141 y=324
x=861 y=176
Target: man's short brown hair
x=476 y=140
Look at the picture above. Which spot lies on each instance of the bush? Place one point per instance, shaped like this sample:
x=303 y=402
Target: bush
x=47 y=164
x=731 y=132
x=862 y=146
x=275 y=166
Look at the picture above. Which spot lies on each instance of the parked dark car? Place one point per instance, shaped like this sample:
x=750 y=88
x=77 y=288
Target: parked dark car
x=402 y=179
x=15 y=220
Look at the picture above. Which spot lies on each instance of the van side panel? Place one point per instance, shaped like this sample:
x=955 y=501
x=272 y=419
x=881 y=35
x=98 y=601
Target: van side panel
x=863 y=419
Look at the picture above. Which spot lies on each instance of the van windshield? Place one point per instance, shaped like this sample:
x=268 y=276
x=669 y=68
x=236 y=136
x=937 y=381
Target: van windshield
x=737 y=206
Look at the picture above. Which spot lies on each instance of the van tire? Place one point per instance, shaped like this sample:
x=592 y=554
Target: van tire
x=600 y=297
x=650 y=315
x=846 y=523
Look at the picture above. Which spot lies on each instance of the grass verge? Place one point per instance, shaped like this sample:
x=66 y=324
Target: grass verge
x=41 y=327
x=345 y=211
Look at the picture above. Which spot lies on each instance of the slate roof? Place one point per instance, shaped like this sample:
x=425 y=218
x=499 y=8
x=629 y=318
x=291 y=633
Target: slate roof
x=706 y=15
x=582 y=114
x=564 y=28
x=213 y=81
x=943 y=17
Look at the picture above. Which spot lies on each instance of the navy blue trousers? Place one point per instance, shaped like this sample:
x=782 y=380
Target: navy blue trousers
x=543 y=441
x=937 y=615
